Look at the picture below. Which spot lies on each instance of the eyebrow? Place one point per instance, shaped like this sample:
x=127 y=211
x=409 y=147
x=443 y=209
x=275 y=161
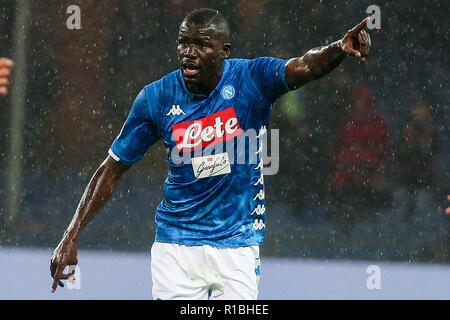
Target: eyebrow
x=202 y=31
x=202 y=36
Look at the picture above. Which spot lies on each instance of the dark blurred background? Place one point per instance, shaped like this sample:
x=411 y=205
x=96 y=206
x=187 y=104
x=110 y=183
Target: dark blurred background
x=364 y=168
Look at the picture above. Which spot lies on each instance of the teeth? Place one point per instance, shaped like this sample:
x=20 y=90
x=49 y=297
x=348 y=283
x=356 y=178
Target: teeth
x=190 y=71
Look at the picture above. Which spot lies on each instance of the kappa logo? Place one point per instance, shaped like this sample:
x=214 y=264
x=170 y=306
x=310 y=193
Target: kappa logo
x=260 y=195
x=258 y=224
x=260 y=165
x=262 y=131
x=259 y=210
x=260 y=181
x=175 y=110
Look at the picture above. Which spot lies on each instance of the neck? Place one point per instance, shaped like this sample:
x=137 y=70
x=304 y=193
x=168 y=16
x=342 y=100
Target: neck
x=207 y=85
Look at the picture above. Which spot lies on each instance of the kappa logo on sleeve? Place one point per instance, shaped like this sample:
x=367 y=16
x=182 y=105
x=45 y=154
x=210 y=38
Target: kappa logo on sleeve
x=216 y=128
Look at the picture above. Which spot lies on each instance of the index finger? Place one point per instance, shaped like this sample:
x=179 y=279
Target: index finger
x=5 y=62
x=4 y=72
x=360 y=26
x=57 y=278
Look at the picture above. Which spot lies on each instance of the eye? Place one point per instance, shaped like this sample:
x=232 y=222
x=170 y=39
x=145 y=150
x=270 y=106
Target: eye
x=202 y=44
x=181 y=41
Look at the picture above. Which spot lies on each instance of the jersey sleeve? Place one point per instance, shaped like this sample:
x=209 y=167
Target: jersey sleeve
x=269 y=76
x=138 y=133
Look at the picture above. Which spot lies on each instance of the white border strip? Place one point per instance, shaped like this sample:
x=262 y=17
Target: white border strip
x=113 y=155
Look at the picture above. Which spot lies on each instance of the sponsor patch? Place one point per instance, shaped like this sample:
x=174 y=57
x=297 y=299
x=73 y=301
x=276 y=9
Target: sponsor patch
x=216 y=128
x=212 y=165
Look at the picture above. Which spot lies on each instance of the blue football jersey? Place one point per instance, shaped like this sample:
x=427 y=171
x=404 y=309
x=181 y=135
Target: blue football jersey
x=214 y=191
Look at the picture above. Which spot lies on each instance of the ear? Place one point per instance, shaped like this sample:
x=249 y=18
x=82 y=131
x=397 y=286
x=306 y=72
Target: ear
x=226 y=50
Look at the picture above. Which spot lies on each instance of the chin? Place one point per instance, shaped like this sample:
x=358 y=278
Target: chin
x=191 y=80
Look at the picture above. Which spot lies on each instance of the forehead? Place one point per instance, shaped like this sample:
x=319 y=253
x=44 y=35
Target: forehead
x=192 y=30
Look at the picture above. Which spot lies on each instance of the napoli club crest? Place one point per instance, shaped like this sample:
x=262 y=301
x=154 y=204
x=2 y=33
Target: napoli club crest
x=228 y=92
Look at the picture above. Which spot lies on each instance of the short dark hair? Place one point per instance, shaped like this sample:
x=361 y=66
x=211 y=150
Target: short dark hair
x=210 y=17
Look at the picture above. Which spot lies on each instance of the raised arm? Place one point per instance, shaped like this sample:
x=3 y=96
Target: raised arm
x=320 y=61
x=97 y=193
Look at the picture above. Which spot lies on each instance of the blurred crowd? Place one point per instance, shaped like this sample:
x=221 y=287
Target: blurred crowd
x=362 y=167
x=366 y=142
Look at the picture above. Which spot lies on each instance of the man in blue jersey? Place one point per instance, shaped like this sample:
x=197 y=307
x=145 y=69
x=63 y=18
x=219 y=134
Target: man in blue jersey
x=211 y=221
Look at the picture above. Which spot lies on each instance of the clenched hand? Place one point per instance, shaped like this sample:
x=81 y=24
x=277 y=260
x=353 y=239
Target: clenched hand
x=64 y=255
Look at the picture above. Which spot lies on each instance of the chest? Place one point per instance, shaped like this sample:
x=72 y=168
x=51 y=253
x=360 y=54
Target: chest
x=191 y=123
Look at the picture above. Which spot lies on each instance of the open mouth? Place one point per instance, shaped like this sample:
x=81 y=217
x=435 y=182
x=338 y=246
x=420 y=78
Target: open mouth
x=190 y=69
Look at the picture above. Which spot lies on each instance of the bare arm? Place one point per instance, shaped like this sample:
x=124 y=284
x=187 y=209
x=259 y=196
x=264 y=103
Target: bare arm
x=320 y=61
x=97 y=193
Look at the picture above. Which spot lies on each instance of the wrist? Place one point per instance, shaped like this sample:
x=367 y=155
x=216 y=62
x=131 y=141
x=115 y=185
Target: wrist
x=340 y=46
x=71 y=234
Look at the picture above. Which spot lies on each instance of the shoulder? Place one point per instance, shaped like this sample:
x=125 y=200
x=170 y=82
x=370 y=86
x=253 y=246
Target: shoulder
x=266 y=66
x=269 y=62
x=159 y=84
x=253 y=62
x=242 y=61
x=237 y=62
x=166 y=85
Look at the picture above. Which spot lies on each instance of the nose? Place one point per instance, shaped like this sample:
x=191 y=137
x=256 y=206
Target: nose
x=190 y=52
